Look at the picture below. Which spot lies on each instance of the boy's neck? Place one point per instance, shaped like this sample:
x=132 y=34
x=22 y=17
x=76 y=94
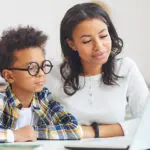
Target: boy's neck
x=24 y=97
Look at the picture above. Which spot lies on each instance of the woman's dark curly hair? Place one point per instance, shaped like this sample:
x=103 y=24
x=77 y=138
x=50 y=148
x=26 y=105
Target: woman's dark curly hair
x=18 y=39
x=71 y=67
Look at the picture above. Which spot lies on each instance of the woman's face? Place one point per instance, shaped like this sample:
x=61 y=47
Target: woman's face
x=92 y=41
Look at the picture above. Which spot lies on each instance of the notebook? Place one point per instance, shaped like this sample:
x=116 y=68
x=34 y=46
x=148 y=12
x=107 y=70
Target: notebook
x=8 y=146
x=140 y=141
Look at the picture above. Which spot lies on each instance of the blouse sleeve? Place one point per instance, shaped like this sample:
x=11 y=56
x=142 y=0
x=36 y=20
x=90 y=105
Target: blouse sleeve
x=137 y=95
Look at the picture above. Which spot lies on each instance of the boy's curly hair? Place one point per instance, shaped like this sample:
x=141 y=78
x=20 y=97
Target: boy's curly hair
x=18 y=39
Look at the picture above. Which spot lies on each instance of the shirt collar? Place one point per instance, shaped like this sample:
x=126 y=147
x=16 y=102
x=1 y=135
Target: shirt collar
x=13 y=100
x=35 y=102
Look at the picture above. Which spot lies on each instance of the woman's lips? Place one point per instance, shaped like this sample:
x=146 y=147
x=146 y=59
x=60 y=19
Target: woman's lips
x=101 y=55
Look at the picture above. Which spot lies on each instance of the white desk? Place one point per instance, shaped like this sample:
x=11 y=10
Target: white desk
x=50 y=144
x=59 y=144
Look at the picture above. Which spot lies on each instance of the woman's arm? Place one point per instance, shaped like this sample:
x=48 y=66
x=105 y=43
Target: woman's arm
x=104 y=131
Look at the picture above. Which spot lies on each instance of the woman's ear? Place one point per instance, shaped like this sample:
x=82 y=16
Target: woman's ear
x=8 y=76
x=71 y=44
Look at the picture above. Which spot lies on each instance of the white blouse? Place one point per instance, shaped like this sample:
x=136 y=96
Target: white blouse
x=97 y=102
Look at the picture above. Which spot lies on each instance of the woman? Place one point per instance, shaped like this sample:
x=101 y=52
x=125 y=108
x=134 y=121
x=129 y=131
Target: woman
x=105 y=93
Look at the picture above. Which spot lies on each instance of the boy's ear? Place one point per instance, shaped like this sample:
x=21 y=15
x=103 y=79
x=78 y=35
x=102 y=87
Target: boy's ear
x=8 y=76
x=71 y=44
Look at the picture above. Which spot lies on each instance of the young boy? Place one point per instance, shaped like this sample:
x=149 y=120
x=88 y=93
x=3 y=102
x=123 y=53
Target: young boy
x=27 y=111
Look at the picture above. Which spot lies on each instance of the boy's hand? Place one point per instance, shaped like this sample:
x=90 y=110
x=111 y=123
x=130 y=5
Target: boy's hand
x=25 y=134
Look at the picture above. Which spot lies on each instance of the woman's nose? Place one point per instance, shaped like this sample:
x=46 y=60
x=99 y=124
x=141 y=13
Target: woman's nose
x=98 y=45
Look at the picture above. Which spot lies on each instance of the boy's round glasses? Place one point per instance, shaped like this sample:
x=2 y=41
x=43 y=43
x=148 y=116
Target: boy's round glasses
x=34 y=68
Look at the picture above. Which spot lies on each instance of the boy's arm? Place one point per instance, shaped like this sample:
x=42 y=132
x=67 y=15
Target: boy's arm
x=6 y=135
x=62 y=124
x=3 y=135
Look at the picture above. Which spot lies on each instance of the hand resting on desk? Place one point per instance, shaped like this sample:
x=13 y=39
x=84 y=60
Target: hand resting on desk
x=25 y=134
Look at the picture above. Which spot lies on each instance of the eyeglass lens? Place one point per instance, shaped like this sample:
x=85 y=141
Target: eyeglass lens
x=34 y=68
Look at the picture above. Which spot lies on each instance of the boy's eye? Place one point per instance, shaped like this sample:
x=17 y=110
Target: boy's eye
x=85 y=42
x=33 y=67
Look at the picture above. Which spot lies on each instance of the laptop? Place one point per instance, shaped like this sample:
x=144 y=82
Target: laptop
x=140 y=141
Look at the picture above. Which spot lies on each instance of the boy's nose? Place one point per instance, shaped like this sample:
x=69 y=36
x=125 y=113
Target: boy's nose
x=41 y=73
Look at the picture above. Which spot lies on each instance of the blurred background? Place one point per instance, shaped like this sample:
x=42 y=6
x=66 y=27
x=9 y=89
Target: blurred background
x=130 y=17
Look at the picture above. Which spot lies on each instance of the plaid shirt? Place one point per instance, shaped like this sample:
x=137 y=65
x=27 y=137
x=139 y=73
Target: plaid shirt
x=50 y=119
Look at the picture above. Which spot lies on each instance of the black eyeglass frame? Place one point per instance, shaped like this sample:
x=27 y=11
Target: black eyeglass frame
x=38 y=70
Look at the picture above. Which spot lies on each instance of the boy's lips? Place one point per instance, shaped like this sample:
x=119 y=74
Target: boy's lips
x=41 y=82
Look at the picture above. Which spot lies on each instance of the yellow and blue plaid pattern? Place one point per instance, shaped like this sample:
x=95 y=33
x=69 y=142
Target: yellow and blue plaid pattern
x=50 y=120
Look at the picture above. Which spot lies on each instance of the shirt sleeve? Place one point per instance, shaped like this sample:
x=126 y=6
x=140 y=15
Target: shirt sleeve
x=137 y=95
x=6 y=135
x=60 y=125
x=10 y=136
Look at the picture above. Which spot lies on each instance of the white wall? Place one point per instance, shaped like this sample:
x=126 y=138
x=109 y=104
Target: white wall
x=131 y=18
x=132 y=21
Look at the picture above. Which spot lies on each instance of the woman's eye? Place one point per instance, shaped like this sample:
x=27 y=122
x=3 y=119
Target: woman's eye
x=104 y=36
x=85 y=42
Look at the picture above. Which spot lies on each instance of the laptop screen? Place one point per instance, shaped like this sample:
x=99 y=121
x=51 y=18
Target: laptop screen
x=141 y=139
